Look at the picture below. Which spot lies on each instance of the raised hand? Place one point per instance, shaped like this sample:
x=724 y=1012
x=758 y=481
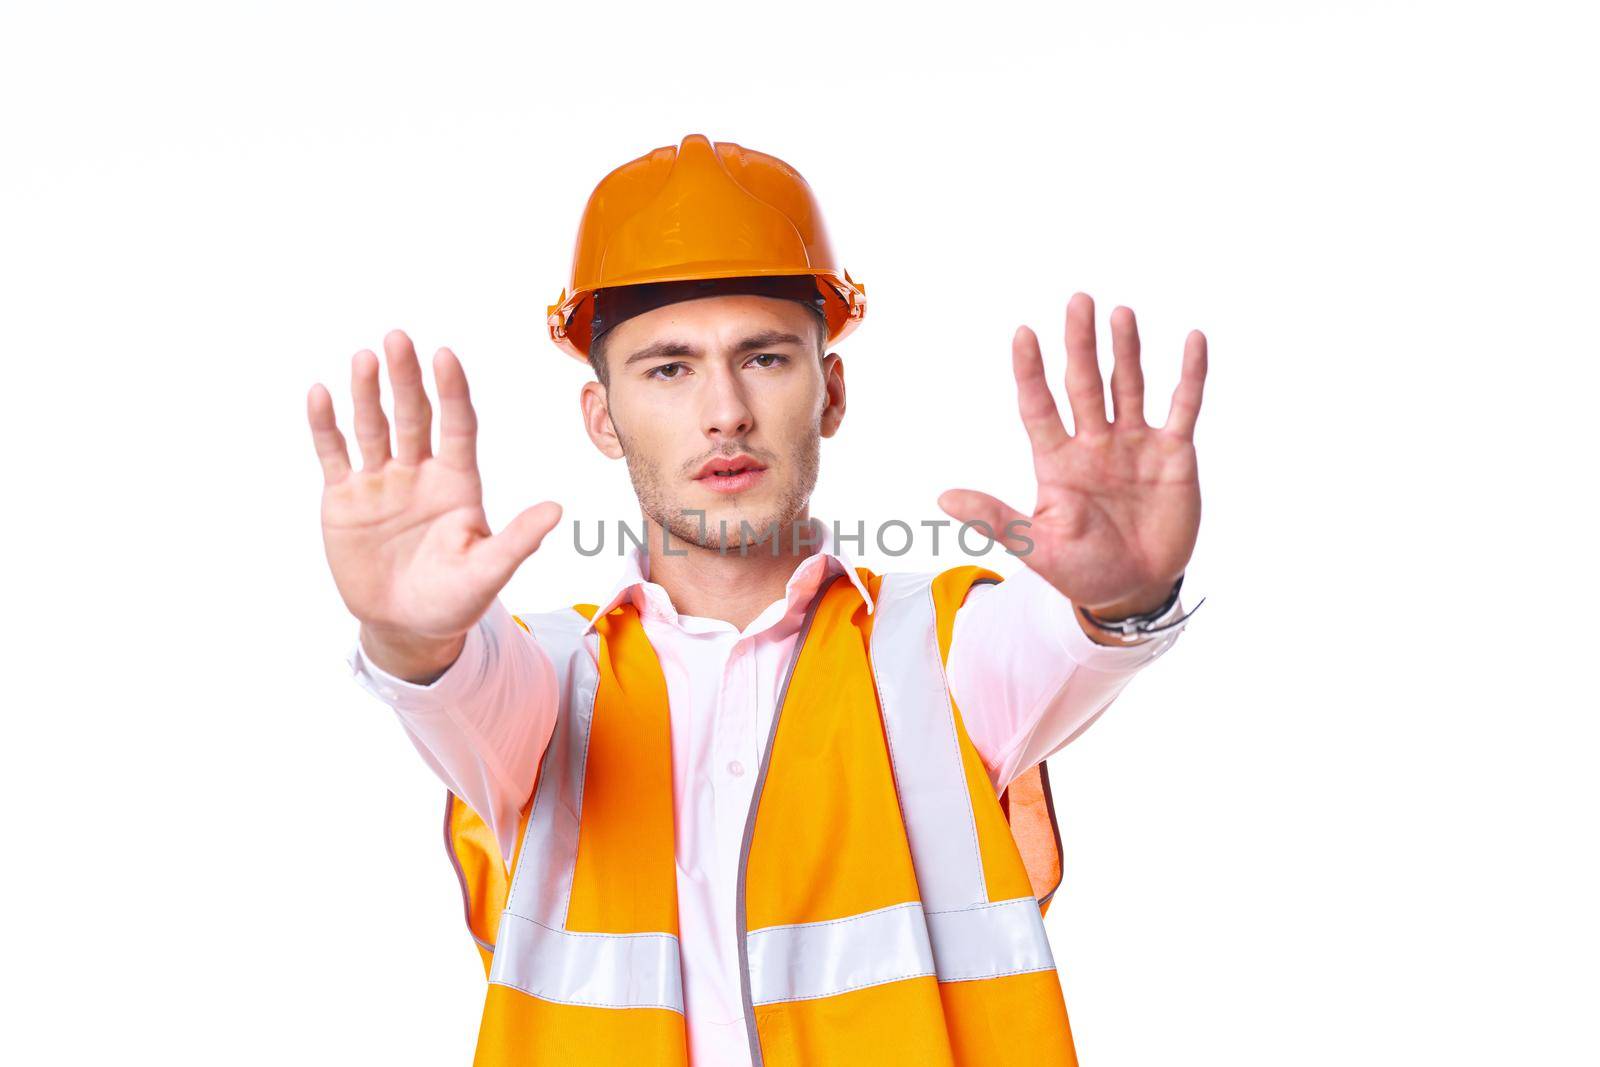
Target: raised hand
x=1118 y=509
x=407 y=539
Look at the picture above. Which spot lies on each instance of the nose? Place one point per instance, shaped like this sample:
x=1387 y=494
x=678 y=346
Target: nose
x=726 y=413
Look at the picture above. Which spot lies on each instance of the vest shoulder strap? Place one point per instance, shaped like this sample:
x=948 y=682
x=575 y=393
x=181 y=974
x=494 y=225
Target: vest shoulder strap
x=475 y=855
x=1028 y=803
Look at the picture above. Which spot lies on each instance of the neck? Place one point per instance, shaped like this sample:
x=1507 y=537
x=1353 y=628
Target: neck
x=724 y=584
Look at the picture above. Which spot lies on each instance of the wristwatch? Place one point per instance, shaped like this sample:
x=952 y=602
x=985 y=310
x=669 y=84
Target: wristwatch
x=1134 y=627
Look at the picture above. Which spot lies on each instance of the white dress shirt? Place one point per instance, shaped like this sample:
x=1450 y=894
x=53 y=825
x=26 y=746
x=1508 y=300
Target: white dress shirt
x=1024 y=674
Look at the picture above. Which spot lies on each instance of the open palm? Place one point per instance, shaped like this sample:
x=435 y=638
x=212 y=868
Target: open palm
x=1118 y=508
x=406 y=536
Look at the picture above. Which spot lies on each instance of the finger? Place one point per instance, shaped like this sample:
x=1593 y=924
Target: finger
x=1186 y=397
x=326 y=437
x=502 y=554
x=413 y=417
x=1034 y=399
x=989 y=516
x=372 y=426
x=458 y=422
x=1086 y=392
x=1127 y=376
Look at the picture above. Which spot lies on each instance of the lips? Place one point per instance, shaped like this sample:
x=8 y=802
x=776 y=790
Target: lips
x=730 y=474
x=727 y=466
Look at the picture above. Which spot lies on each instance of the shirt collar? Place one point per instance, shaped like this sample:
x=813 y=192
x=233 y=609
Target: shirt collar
x=635 y=586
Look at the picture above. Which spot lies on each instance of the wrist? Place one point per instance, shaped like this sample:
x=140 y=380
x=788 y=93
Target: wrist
x=1141 y=603
x=411 y=657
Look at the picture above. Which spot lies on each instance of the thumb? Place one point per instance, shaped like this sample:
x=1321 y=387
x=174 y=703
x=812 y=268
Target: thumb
x=991 y=516
x=503 y=553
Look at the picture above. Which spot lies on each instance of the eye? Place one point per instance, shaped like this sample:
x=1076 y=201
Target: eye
x=653 y=372
x=771 y=356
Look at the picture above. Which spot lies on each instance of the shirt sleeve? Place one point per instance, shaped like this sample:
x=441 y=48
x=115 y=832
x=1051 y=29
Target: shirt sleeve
x=1027 y=678
x=483 y=725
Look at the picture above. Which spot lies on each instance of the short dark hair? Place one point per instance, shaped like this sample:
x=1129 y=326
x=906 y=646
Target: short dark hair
x=597 y=349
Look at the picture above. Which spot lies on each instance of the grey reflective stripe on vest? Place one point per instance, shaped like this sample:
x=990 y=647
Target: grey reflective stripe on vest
x=597 y=970
x=971 y=937
x=989 y=940
x=823 y=959
x=534 y=952
x=808 y=960
x=920 y=725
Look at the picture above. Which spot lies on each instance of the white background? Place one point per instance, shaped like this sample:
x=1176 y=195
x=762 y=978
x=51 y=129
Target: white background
x=1348 y=819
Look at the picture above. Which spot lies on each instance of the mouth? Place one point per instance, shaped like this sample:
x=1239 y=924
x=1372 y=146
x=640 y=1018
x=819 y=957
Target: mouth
x=731 y=475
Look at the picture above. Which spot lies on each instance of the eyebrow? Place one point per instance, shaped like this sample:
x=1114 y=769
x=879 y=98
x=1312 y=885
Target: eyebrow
x=764 y=339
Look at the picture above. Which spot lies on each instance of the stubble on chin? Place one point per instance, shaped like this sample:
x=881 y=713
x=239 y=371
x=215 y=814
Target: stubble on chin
x=703 y=527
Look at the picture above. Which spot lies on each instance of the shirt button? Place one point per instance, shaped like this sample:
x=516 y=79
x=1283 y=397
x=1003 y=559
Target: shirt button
x=736 y=768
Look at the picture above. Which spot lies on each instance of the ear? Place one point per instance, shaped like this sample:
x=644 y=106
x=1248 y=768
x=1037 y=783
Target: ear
x=833 y=387
x=597 y=419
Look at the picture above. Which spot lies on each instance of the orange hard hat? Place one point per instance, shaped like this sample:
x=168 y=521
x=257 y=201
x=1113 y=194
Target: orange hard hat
x=695 y=212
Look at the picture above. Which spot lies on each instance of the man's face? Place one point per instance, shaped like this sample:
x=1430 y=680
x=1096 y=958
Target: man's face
x=715 y=379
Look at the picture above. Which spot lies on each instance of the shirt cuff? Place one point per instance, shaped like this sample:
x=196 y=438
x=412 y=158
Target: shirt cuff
x=462 y=676
x=1056 y=611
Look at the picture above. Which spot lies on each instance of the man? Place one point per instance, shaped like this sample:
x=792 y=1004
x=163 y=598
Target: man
x=760 y=805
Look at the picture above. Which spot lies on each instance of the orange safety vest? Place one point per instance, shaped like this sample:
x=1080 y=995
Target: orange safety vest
x=890 y=906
